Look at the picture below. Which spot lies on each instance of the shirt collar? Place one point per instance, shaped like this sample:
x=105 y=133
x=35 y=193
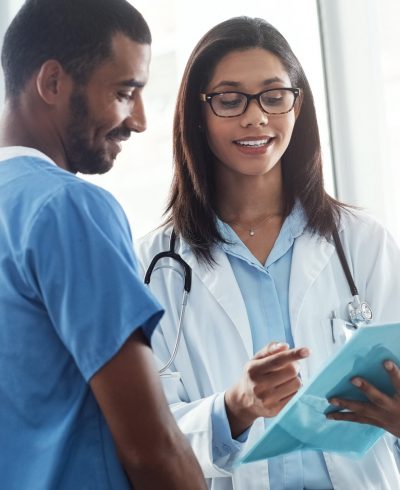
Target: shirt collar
x=8 y=152
x=292 y=227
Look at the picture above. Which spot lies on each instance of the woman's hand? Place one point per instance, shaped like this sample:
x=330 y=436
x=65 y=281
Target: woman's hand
x=381 y=410
x=269 y=381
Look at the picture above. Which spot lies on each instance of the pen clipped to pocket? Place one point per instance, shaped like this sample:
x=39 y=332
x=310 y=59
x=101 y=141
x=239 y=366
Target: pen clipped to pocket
x=341 y=330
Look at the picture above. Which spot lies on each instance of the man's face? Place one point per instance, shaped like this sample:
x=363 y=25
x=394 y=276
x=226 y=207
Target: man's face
x=105 y=111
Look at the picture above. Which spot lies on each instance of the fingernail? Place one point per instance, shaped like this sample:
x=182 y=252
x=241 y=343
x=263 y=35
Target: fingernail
x=304 y=352
x=356 y=382
x=277 y=345
x=388 y=365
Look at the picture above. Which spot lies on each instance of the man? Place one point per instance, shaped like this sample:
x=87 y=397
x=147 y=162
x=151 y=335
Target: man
x=78 y=384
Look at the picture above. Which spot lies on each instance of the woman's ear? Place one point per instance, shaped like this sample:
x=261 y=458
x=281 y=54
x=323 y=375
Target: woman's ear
x=298 y=104
x=51 y=81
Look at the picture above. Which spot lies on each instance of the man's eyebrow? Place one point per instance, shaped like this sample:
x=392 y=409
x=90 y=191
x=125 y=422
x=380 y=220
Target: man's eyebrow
x=132 y=83
x=230 y=83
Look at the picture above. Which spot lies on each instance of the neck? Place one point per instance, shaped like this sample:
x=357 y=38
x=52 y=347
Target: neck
x=21 y=124
x=249 y=199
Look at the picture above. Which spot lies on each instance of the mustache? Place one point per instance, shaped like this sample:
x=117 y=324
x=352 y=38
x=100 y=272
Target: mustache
x=119 y=133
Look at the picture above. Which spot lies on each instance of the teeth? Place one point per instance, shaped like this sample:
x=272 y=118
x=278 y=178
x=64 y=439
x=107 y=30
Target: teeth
x=253 y=143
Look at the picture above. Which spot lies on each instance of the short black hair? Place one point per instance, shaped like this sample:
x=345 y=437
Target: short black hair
x=77 y=33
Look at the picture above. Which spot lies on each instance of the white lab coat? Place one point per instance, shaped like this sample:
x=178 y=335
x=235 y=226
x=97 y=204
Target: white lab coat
x=217 y=342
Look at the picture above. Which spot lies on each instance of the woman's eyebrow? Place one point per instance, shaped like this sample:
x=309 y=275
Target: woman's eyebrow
x=231 y=83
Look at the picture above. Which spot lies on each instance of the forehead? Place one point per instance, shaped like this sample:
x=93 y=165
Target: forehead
x=129 y=62
x=249 y=67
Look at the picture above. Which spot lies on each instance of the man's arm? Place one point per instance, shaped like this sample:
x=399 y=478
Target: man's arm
x=152 y=450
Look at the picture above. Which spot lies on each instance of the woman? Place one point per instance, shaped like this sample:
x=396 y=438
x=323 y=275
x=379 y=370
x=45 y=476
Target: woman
x=253 y=221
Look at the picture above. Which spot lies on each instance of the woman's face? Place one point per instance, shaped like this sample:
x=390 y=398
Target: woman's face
x=253 y=143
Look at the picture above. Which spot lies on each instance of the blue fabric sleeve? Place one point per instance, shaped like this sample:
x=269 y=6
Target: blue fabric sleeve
x=81 y=263
x=222 y=442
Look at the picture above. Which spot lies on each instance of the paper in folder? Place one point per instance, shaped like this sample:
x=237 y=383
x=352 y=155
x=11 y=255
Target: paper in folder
x=302 y=424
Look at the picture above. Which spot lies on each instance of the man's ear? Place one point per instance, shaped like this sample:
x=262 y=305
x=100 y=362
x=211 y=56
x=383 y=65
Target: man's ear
x=52 y=81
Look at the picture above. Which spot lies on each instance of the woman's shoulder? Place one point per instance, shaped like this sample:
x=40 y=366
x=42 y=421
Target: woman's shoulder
x=154 y=242
x=360 y=221
x=359 y=228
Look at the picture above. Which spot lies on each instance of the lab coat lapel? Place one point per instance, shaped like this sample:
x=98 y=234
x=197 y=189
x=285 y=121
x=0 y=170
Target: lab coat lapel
x=311 y=254
x=222 y=285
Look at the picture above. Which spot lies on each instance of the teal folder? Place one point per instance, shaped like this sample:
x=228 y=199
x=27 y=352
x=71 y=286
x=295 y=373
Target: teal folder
x=302 y=424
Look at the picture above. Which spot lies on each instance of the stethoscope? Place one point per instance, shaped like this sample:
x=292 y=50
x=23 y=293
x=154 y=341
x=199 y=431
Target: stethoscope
x=360 y=313
x=187 y=286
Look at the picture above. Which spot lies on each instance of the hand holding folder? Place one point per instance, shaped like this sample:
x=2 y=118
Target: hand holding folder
x=302 y=424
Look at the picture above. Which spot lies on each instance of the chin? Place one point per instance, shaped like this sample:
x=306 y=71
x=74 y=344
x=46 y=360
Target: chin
x=98 y=168
x=92 y=167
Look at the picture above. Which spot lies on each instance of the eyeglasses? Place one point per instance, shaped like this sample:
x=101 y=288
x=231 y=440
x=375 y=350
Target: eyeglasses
x=272 y=101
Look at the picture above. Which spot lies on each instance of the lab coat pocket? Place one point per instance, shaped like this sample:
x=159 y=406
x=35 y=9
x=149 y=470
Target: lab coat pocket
x=341 y=331
x=337 y=333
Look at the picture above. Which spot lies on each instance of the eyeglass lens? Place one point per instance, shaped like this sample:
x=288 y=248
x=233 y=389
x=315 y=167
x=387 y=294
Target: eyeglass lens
x=234 y=103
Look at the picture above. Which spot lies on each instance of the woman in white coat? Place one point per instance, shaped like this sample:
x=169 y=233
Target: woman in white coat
x=253 y=221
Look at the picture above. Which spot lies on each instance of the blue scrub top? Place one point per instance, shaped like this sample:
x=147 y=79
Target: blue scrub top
x=70 y=297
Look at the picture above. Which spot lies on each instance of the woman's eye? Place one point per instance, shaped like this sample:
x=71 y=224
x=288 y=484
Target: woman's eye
x=231 y=103
x=274 y=100
x=230 y=100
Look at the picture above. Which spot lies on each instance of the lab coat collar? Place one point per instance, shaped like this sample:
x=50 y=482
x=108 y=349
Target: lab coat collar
x=311 y=254
x=216 y=278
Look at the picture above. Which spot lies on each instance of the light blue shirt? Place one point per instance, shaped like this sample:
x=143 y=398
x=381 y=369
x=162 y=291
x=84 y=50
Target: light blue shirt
x=265 y=291
x=70 y=297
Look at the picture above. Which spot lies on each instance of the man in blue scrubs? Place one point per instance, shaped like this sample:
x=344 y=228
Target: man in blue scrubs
x=80 y=399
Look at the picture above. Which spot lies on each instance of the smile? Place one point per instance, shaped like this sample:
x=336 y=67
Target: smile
x=253 y=143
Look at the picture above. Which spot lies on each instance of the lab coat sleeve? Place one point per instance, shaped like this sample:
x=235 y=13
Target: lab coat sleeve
x=191 y=408
x=375 y=258
x=376 y=262
x=195 y=420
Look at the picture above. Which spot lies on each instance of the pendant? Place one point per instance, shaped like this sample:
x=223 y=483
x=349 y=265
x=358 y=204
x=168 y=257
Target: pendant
x=252 y=232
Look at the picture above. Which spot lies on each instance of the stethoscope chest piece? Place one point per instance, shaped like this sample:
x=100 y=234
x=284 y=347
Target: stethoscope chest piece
x=360 y=312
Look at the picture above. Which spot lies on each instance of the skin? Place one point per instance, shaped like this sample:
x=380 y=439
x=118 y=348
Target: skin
x=249 y=71
x=82 y=128
x=381 y=410
x=153 y=451
x=249 y=186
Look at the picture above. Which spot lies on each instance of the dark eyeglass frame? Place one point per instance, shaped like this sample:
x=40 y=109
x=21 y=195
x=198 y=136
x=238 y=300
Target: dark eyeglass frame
x=249 y=97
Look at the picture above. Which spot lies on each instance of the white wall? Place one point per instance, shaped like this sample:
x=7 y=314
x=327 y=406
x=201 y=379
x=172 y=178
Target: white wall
x=8 y=9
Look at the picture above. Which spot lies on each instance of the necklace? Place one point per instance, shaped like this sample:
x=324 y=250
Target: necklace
x=253 y=228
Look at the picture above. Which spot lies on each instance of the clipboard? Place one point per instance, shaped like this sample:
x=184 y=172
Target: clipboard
x=302 y=423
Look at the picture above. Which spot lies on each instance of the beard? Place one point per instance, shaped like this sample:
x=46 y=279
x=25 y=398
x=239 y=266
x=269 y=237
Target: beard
x=81 y=155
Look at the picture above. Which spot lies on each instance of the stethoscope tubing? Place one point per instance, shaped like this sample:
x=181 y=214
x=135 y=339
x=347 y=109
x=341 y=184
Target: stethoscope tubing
x=356 y=307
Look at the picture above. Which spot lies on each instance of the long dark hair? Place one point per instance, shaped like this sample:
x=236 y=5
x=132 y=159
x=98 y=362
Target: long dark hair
x=191 y=206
